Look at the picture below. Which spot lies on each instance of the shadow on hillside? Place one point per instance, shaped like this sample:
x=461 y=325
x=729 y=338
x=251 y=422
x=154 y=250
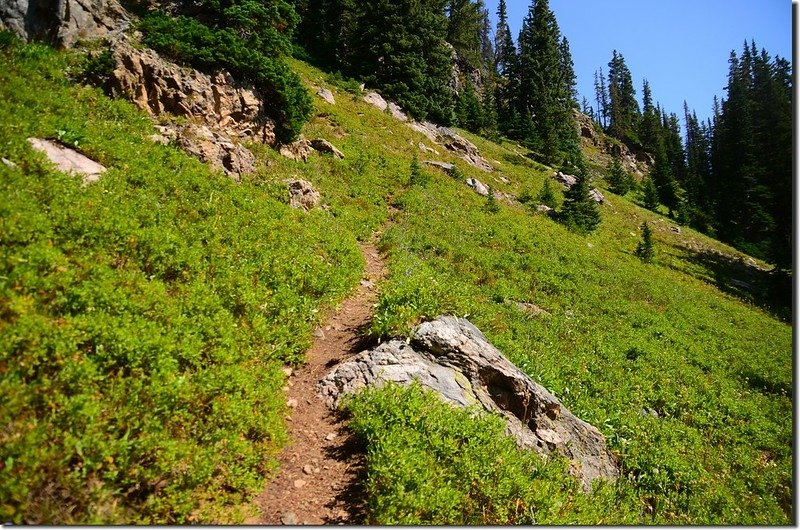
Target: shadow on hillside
x=348 y=506
x=769 y=290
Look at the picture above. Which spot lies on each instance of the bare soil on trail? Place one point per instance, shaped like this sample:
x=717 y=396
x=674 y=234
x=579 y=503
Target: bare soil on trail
x=321 y=469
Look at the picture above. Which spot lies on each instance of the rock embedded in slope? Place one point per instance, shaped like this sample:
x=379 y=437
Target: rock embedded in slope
x=451 y=356
x=299 y=150
x=302 y=195
x=324 y=146
x=327 y=95
x=445 y=166
x=68 y=160
x=478 y=186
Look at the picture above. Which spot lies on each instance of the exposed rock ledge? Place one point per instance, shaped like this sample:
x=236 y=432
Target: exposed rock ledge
x=452 y=357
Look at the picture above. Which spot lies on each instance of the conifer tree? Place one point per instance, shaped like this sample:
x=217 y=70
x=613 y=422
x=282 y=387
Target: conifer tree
x=650 y=194
x=546 y=82
x=546 y=195
x=579 y=211
x=399 y=47
x=645 y=249
x=464 y=26
x=619 y=180
x=623 y=107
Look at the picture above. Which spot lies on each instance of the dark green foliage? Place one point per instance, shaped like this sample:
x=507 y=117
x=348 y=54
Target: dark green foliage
x=650 y=194
x=465 y=22
x=619 y=180
x=247 y=38
x=645 y=250
x=546 y=90
x=623 y=109
x=469 y=111
x=579 y=211
x=546 y=195
x=751 y=156
x=399 y=48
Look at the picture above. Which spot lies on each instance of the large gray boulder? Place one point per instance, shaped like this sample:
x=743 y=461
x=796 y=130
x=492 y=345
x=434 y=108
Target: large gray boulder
x=451 y=356
x=63 y=22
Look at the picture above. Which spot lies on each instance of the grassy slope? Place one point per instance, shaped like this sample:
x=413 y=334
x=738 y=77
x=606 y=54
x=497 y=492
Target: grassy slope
x=622 y=339
x=620 y=336
x=145 y=317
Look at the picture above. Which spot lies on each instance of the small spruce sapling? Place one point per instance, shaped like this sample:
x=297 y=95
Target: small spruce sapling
x=547 y=196
x=580 y=211
x=650 y=194
x=491 y=202
x=619 y=180
x=645 y=250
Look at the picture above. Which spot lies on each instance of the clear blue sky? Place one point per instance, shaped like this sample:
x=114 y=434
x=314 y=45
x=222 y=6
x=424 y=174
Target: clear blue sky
x=681 y=46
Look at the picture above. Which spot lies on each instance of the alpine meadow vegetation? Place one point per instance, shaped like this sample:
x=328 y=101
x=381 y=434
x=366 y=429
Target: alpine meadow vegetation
x=146 y=317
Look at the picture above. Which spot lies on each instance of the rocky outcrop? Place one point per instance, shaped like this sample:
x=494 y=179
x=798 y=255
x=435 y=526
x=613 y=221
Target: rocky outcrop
x=63 y=22
x=211 y=147
x=452 y=357
x=444 y=136
x=302 y=195
x=452 y=141
x=376 y=100
x=158 y=86
x=68 y=160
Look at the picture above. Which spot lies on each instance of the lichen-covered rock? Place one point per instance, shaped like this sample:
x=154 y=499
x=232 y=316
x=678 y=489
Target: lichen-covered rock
x=327 y=95
x=452 y=141
x=216 y=149
x=451 y=356
x=479 y=187
x=445 y=166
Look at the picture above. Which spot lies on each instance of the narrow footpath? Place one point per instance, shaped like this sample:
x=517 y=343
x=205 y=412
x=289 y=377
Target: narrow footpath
x=321 y=468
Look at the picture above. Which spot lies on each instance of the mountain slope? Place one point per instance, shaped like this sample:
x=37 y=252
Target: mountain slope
x=688 y=376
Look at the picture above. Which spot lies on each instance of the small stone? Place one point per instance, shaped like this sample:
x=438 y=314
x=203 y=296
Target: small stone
x=307 y=469
x=318 y=333
x=331 y=437
x=299 y=483
x=289 y=518
x=8 y=163
x=287 y=370
x=368 y=284
x=291 y=403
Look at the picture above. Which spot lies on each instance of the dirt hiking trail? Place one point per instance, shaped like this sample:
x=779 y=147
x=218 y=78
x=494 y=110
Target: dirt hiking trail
x=321 y=468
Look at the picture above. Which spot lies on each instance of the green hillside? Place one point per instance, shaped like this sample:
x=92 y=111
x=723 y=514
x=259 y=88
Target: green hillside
x=145 y=319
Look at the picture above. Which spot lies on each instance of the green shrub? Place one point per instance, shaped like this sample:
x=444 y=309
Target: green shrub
x=430 y=463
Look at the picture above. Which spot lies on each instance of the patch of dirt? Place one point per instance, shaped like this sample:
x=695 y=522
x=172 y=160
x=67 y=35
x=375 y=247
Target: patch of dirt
x=321 y=470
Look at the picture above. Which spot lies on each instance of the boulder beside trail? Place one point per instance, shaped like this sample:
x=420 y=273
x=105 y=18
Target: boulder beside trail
x=450 y=356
